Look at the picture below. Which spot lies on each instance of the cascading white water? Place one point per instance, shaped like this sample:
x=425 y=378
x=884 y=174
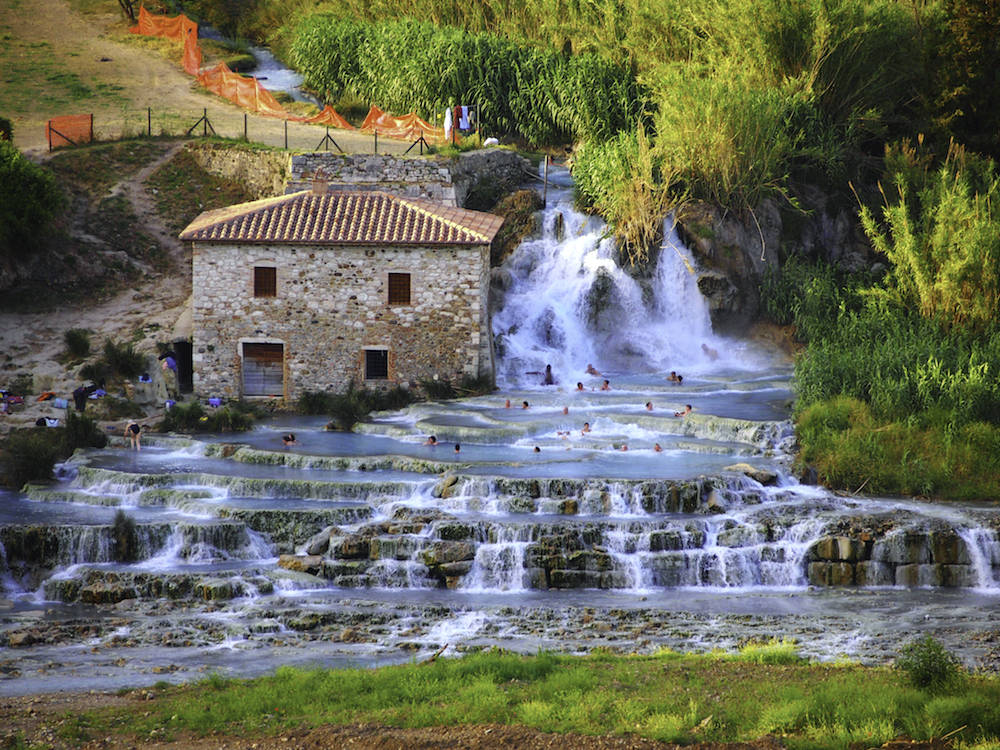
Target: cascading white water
x=569 y=305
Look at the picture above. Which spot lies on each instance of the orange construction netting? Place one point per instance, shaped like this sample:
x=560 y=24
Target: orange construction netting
x=408 y=126
x=179 y=28
x=249 y=94
x=69 y=129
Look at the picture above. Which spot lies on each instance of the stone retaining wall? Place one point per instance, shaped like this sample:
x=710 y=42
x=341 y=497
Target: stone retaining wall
x=262 y=171
x=448 y=180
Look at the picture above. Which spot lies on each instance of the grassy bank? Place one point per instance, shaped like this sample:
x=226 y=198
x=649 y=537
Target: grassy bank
x=899 y=389
x=763 y=690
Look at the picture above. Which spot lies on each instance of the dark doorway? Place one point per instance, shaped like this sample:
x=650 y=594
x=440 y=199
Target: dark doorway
x=185 y=366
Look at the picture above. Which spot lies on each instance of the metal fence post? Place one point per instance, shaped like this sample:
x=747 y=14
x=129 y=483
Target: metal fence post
x=149 y=122
x=376 y=141
x=286 y=135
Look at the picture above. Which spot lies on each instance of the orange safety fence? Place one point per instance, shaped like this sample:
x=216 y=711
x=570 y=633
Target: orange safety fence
x=69 y=129
x=247 y=92
x=408 y=126
x=179 y=28
x=329 y=117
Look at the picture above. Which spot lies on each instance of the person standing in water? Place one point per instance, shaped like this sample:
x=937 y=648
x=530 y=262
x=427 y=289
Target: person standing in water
x=133 y=431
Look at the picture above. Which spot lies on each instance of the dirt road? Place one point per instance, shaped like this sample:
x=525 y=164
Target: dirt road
x=54 y=61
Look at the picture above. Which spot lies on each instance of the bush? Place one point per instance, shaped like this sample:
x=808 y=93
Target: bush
x=350 y=407
x=192 y=417
x=27 y=457
x=80 y=431
x=438 y=390
x=77 y=342
x=123 y=359
x=929 y=665
x=227 y=419
x=125 y=537
x=31 y=198
x=941 y=234
x=315 y=402
x=181 y=417
x=631 y=187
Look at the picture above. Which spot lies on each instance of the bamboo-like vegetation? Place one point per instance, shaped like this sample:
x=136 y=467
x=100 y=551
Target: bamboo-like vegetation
x=942 y=236
x=409 y=65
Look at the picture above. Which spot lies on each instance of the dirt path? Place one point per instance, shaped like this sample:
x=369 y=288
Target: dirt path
x=40 y=721
x=47 y=49
x=44 y=44
x=35 y=340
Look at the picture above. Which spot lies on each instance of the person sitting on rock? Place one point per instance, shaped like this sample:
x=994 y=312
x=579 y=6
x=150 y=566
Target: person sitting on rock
x=687 y=410
x=649 y=406
x=592 y=371
x=606 y=386
x=289 y=439
x=579 y=387
x=657 y=448
x=432 y=440
x=673 y=377
x=586 y=428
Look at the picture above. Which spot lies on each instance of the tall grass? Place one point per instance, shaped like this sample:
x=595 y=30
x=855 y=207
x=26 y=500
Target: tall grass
x=630 y=186
x=407 y=65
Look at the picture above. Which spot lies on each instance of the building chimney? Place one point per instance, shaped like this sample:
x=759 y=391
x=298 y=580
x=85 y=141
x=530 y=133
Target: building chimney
x=319 y=182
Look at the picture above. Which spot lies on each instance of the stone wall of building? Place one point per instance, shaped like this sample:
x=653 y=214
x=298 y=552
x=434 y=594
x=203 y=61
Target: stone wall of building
x=332 y=303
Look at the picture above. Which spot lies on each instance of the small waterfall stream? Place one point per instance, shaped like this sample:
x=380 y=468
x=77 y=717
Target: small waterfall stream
x=370 y=546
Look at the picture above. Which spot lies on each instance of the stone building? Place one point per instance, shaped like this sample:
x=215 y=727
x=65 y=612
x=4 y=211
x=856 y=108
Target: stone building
x=309 y=291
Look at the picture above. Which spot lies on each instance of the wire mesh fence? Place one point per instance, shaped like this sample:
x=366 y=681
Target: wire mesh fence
x=244 y=126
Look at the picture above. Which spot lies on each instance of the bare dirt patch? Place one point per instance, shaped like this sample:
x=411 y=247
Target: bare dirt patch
x=42 y=720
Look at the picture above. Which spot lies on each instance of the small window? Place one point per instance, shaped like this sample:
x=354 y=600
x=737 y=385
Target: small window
x=265 y=281
x=376 y=364
x=399 y=288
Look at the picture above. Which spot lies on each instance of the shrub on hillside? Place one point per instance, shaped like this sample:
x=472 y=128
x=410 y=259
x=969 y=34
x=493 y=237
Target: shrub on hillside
x=940 y=230
x=29 y=200
x=77 y=342
x=123 y=359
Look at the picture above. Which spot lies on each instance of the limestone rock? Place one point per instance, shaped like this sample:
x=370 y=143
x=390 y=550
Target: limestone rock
x=301 y=563
x=764 y=476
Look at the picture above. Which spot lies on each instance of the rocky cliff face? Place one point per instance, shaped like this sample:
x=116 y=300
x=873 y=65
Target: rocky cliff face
x=734 y=249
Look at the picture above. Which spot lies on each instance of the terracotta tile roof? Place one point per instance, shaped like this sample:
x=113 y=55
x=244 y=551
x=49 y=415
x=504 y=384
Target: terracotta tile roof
x=344 y=218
